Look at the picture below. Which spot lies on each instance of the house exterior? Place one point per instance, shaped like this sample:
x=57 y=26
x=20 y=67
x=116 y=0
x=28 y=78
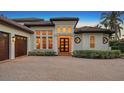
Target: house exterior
x=18 y=36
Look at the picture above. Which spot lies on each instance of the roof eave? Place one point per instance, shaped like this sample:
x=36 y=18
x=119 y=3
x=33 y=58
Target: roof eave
x=75 y=19
x=10 y=22
x=29 y=25
x=106 y=32
x=64 y=19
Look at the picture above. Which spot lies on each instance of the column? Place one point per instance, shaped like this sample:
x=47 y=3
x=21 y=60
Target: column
x=12 y=47
x=72 y=41
x=53 y=41
x=34 y=40
x=28 y=44
x=56 y=44
x=47 y=43
x=41 y=40
x=72 y=44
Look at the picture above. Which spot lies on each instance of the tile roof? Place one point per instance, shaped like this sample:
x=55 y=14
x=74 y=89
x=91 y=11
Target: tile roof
x=27 y=19
x=64 y=19
x=15 y=24
x=42 y=23
x=89 y=29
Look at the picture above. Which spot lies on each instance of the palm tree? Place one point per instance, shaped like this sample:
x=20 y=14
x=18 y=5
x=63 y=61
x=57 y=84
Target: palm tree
x=113 y=21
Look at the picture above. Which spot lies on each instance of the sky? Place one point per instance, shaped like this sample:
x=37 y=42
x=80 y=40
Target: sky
x=86 y=18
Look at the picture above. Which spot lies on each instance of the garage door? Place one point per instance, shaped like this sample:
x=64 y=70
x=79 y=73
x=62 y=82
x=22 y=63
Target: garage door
x=20 y=46
x=4 y=46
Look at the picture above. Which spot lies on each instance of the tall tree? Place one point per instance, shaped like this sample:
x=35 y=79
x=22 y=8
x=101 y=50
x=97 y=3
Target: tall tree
x=113 y=21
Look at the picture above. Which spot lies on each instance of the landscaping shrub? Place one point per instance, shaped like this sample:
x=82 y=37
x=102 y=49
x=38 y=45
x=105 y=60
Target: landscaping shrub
x=122 y=55
x=96 y=54
x=113 y=43
x=116 y=45
x=41 y=52
x=121 y=46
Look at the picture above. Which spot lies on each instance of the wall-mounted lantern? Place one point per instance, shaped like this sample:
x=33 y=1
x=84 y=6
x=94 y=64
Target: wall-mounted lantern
x=13 y=39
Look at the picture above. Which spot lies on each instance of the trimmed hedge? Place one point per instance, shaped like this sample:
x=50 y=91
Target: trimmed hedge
x=40 y=52
x=121 y=46
x=115 y=45
x=122 y=55
x=96 y=54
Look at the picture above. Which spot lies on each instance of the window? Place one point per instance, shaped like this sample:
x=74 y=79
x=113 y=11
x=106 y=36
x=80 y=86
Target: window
x=38 y=42
x=43 y=32
x=64 y=29
x=50 y=42
x=69 y=29
x=58 y=29
x=37 y=39
x=44 y=39
x=44 y=42
x=37 y=33
x=92 y=41
x=50 y=39
x=50 y=33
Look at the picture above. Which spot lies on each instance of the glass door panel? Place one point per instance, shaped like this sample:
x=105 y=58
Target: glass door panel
x=64 y=44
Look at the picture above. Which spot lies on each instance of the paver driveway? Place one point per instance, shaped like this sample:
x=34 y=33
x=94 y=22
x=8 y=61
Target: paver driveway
x=62 y=68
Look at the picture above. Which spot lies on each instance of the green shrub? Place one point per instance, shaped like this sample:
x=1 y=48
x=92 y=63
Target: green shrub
x=121 y=46
x=116 y=45
x=113 y=43
x=122 y=55
x=41 y=52
x=96 y=54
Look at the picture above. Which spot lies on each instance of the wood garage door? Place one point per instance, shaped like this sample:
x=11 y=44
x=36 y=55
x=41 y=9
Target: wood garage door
x=20 y=46
x=4 y=46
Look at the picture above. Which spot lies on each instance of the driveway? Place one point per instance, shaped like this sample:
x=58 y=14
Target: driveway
x=62 y=68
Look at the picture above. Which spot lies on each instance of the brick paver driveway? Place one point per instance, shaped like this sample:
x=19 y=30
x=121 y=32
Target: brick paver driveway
x=62 y=68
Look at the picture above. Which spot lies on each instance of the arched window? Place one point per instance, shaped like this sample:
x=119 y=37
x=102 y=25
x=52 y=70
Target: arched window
x=38 y=39
x=37 y=33
x=44 y=42
x=58 y=29
x=38 y=42
x=64 y=29
x=92 y=41
x=69 y=29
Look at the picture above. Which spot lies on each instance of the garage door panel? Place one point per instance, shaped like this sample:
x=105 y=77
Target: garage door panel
x=4 y=46
x=20 y=46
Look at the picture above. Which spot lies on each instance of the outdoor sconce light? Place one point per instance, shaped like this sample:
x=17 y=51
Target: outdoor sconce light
x=13 y=39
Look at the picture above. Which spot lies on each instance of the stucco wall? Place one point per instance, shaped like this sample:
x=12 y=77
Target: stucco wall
x=85 y=42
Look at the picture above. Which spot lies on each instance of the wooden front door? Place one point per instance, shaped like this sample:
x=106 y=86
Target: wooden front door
x=64 y=44
x=20 y=46
x=4 y=46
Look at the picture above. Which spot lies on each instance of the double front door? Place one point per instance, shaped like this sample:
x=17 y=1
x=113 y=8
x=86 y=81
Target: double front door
x=64 y=44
